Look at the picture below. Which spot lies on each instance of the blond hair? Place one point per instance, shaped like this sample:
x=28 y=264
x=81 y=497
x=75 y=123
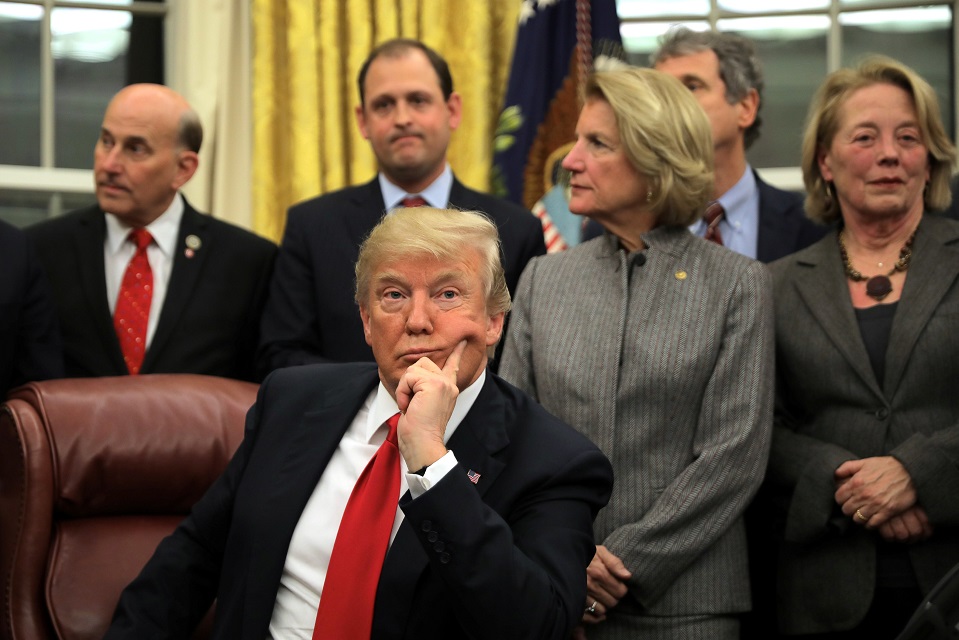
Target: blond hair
x=444 y=234
x=824 y=119
x=666 y=136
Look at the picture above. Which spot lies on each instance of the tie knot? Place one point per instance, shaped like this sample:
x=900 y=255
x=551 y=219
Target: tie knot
x=714 y=213
x=414 y=201
x=141 y=238
x=392 y=424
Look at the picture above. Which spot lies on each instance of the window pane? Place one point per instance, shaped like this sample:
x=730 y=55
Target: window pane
x=764 y=6
x=793 y=54
x=96 y=54
x=20 y=27
x=919 y=37
x=23 y=208
x=640 y=39
x=656 y=8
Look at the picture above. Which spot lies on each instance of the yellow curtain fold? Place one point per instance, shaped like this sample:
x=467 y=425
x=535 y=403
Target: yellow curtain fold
x=306 y=55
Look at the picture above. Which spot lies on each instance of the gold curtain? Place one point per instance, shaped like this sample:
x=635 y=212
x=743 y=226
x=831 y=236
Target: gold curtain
x=306 y=55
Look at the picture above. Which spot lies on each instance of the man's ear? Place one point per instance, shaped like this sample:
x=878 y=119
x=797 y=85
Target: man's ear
x=361 y=122
x=187 y=162
x=365 y=317
x=455 y=107
x=748 y=108
x=494 y=328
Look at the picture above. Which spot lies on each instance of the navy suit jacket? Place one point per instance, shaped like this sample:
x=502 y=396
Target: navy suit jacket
x=783 y=225
x=515 y=545
x=311 y=315
x=29 y=338
x=210 y=317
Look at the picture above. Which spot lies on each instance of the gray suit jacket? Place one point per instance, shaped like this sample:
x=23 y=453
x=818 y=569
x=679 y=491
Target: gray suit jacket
x=831 y=408
x=668 y=367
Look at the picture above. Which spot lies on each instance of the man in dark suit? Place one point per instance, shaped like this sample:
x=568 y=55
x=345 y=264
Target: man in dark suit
x=208 y=279
x=724 y=74
x=494 y=535
x=29 y=339
x=407 y=111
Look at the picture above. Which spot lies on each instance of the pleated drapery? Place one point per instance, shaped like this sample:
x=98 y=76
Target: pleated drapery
x=306 y=55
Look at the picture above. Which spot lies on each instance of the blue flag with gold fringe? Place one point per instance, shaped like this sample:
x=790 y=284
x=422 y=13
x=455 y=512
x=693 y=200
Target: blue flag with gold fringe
x=557 y=44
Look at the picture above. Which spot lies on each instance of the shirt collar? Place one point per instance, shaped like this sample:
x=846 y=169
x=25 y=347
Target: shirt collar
x=437 y=195
x=164 y=229
x=735 y=201
x=384 y=406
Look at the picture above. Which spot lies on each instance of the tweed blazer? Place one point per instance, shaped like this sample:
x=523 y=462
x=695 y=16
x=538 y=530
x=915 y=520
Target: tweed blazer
x=831 y=408
x=668 y=367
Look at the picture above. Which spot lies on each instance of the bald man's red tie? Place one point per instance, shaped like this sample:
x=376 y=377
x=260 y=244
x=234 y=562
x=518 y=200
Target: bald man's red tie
x=414 y=201
x=713 y=216
x=132 y=313
x=346 y=605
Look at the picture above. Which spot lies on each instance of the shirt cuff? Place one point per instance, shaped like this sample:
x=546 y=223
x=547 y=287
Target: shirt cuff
x=434 y=473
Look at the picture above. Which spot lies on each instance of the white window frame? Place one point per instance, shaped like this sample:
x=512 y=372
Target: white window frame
x=47 y=178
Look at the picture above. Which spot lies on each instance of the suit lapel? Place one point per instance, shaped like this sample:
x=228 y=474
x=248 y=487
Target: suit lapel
x=461 y=197
x=777 y=232
x=481 y=435
x=183 y=280
x=304 y=452
x=821 y=284
x=367 y=212
x=932 y=272
x=91 y=234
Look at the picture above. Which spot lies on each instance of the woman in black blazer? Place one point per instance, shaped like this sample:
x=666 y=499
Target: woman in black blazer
x=865 y=454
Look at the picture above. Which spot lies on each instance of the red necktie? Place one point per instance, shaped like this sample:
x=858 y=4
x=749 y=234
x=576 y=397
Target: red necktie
x=346 y=605
x=414 y=201
x=132 y=312
x=714 y=213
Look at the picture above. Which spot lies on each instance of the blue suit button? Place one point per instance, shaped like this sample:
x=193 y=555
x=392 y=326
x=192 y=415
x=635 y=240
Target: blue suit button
x=445 y=558
x=439 y=546
x=427 y=525
x=432 y=536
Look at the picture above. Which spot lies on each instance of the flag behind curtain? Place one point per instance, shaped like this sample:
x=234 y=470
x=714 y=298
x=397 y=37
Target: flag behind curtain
x=306 y=56
x=557 y=42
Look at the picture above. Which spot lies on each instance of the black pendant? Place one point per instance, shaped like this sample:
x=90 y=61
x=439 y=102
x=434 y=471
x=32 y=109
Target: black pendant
x=878 y=287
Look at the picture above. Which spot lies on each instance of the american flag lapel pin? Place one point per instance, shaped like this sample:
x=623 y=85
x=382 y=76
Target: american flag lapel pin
x=473 y=476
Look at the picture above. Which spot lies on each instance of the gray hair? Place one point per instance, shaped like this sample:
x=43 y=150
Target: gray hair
x=739 y=66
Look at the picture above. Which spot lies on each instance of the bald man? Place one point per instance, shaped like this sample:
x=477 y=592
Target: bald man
x=184 y=297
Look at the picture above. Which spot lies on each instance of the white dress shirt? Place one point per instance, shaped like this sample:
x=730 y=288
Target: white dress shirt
x=118 y=251
x=308 y=556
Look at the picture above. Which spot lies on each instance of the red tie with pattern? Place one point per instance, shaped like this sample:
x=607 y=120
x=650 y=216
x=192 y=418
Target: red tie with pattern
x=132 y=312
x=714 y=214
x=346 y=605
x=414 y=201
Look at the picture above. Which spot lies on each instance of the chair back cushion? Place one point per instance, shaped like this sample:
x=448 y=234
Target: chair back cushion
x=94 y=472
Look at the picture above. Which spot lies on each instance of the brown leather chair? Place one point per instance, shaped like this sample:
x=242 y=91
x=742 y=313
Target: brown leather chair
x=93 y=474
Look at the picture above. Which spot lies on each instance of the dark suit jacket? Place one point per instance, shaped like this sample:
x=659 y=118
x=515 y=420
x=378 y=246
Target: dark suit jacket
x=831 y=408
x=210 y=317
x=783 y=225
x=29 y=337
x=516 y=544
x=311 y=315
